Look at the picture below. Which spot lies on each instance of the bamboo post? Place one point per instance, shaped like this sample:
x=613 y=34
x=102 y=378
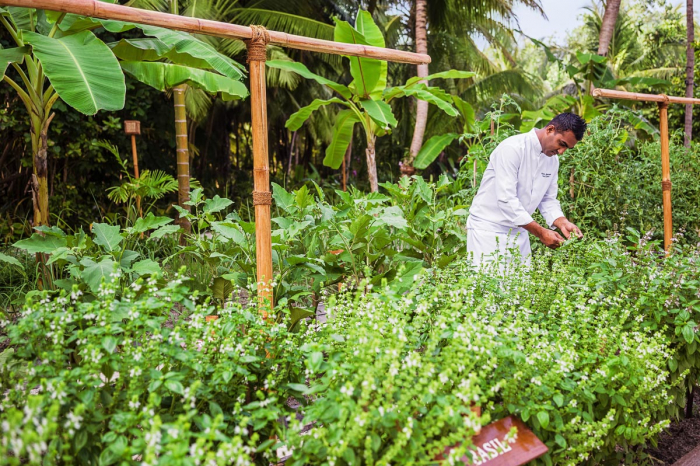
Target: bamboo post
x=662 y=101
x=665 y=175
x=132 y=128
x=262 y=197
x=256 y=38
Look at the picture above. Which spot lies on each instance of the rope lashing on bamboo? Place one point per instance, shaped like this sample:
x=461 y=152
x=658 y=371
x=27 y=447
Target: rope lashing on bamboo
x=665 y=102
x=262 y=198
x=666 y=186
x=257 y=45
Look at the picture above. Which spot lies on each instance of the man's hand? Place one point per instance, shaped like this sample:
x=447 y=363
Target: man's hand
x=567 y=228
x=549 y=238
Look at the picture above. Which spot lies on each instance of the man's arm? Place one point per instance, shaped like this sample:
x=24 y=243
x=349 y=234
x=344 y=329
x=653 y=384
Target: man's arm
x=506 y=163
x=550 y=208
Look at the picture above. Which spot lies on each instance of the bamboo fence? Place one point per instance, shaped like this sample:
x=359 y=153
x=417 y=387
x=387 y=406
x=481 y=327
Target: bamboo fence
x=256 y=38
x=662 y=100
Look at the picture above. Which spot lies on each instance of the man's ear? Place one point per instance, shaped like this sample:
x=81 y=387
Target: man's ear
x=550 y=129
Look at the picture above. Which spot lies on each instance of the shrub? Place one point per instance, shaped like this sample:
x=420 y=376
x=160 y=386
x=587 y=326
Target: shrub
x=143 y=378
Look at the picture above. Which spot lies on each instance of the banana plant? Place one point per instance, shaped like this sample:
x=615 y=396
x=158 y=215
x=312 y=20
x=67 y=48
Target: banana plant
x=173 y=60
x=366 y=100
x=78 y=68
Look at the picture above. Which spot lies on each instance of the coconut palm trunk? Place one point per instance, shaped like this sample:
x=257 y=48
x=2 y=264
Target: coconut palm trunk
x=183 y=153
x=612 y=9
x=689 y=71
x=422 y=106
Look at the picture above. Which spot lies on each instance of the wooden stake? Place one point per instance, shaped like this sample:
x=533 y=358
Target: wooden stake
x=103 y=10
x=666 y=175
x=262 y=198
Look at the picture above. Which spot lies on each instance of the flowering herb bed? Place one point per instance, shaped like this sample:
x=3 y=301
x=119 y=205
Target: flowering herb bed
x=592 y=346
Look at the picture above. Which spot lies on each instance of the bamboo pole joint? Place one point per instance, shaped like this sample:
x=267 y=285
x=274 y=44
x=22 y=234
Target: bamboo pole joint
x=257 y=44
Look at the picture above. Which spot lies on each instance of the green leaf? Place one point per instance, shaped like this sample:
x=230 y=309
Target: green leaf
x=82 y=69
x=543 y=417
x=41 y=244
x=283 y=199
x=149 y=222
x=303 y=71
x=94 y=272
x=164 y=76
x=688 y=334
x=450 y=74
x=298 y=313
x=366 y=26
x=107 y=236
x=393 y=216
x=10 y=260
x=466 y=110
x=342 y=135
x=174 y=386
x=146 y=267
x=561 y=441
x=432 y=148
x=152 y=49
x=216 y=204
x=109 y=343
x=299 y=387
x=185 y=43
x=672 y=364
x=166 y=230
x=380 y=112
x=366 y=72
x=221 y=288
x=7 y=56
x=559 y=399
x=422 y=92
x=299 y=117
x=408 y=272
x=231 y=231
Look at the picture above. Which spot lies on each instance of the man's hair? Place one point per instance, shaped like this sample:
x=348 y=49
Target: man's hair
x=569 y=122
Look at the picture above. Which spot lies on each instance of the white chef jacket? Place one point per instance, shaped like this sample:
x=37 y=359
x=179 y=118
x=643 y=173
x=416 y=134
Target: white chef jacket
x=519 y=179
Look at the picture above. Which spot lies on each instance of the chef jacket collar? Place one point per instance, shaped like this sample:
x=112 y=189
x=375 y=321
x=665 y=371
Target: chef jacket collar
x=536 y=141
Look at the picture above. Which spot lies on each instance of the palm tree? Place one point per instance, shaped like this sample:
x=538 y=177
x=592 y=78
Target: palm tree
x=462 y=20
x=612 y=9
x=689 y=70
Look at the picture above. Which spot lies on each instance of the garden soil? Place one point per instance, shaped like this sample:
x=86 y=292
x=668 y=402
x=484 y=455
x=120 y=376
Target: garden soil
x=679 y=439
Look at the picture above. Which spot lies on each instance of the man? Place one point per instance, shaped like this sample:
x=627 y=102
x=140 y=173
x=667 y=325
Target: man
x=521 y=177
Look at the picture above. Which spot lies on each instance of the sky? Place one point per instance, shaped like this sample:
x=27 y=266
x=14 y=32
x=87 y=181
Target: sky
x=562 y=16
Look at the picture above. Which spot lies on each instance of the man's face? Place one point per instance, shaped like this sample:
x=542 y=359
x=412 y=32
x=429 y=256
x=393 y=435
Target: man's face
x=555 y=143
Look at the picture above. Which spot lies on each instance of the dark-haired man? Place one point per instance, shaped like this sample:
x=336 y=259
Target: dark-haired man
x=522 y=176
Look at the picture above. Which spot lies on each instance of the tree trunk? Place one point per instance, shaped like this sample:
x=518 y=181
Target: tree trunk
x=422 y=106
x=183 y=153
x=612 y=9
x=372 y=165
x=689 y=71
x=40 y=184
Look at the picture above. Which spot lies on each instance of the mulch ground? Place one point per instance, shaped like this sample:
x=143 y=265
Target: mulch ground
x=679 y=439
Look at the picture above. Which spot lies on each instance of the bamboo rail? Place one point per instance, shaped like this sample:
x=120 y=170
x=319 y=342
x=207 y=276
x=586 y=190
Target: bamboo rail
x=662 y=100
x=256 y=39
x=103 y=10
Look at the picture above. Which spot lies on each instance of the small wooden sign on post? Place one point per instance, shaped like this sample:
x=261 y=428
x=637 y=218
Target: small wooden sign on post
x=495 y=445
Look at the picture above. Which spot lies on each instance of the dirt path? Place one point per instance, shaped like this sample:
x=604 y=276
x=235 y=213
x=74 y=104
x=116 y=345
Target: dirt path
x=679 y=440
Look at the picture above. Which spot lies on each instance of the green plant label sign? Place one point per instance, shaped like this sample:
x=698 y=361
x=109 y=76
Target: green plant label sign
x=507 y=442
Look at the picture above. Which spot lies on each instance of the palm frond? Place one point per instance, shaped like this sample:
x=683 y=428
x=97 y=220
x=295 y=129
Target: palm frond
x=284 y=22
